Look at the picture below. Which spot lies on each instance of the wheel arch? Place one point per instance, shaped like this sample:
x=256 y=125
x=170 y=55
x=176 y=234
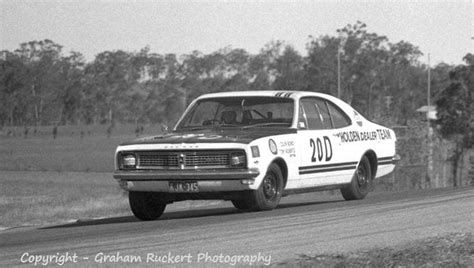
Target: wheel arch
x=372 y=156
x=281 y=163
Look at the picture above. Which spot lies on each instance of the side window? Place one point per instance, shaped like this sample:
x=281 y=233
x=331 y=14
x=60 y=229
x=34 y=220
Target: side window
x=317 y=113
x=339 y=118
x=324 y=112
x=302 y=122
x=313 y=116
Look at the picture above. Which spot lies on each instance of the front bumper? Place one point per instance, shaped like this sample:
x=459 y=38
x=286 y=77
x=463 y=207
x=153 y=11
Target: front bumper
x=208 y=180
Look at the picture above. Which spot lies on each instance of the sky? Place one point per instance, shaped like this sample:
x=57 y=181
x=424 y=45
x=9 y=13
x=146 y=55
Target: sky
x=443 y=29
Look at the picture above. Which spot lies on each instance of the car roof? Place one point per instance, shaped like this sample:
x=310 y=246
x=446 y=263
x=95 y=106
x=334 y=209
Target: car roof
x=283 y=94
x=295 y=95
x=266 y=93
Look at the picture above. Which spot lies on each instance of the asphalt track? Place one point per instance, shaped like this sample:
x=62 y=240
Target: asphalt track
x=222 y=236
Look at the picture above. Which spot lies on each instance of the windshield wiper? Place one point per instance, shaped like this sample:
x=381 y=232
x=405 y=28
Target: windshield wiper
x=194 y=128
x=207 y=127
x=228 y=125
x=267 y=124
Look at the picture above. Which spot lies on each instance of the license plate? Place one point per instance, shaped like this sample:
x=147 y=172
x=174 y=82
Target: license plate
x=183 y=187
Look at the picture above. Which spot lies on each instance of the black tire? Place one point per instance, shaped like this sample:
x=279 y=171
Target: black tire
x=146 y=206
x=268 y=195
x=360 y=183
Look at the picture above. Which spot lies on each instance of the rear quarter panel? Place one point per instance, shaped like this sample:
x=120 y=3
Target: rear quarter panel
x=369 y=137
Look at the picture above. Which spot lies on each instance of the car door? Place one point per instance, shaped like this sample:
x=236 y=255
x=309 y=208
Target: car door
x=321 y=160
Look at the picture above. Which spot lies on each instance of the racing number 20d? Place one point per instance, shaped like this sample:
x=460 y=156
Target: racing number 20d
x=323 y=152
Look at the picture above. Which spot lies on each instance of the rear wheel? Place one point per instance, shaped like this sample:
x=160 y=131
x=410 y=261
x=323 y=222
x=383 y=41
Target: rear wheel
x=359 y=186
x=268 y=195
x=146 y=206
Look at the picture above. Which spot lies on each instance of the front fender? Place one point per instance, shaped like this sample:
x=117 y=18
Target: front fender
x=284 y=155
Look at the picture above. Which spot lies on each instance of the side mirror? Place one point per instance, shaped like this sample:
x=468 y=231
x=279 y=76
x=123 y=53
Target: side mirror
x=164 y=129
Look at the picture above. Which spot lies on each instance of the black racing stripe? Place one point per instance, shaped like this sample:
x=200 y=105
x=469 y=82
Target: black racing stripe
x=388 y=160
x=326 y=170
x=328 y=165
x=284 y=94
x=386 y=163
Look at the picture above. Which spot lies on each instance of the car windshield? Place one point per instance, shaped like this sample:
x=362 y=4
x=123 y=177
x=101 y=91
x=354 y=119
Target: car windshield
x=243 y=112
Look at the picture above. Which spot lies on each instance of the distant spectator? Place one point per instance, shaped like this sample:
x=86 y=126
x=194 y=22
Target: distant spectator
x=137 y=131
x=25 y=132
x=109 y=131
x=55 y=131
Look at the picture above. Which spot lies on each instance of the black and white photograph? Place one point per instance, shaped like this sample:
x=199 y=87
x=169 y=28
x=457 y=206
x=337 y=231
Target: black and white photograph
x=236 y=133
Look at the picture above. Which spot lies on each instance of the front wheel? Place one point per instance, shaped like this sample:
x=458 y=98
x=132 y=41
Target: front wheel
x=268 y=195
x=359 y=186
x=146 y=206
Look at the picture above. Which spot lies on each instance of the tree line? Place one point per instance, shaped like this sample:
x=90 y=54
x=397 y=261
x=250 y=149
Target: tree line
x=42 y=85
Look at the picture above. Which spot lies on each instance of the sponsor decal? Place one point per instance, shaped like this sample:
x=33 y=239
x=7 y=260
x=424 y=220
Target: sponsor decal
x=287 y=147
x=273 y=146
x=358 y=119
x=322 y=149
x=384 y=134
x=360 y=136
x=355 y=136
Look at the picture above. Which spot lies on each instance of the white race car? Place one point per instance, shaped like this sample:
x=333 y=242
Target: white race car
x=254 y=147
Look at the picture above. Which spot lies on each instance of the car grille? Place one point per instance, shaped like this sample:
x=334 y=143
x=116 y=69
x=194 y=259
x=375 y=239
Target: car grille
x=184 y=159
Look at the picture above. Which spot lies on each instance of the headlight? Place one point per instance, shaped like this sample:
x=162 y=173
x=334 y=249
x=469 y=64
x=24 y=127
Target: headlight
x=129 y=161
x=237 y=159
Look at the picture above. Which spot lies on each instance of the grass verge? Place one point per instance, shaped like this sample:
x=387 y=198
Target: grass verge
x=451 y=250
x=37 y=198
x=76 y=148
x=49 y=197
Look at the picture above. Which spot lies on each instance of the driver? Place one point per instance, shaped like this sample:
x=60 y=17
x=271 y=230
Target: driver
x=229 y=117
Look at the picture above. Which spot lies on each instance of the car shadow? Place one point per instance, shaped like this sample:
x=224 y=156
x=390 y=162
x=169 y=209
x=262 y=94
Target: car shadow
x=282 y=209
x=185 y=214
x=305 y=204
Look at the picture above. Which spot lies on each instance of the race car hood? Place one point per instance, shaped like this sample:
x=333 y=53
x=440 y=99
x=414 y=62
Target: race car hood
x=233 y=135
